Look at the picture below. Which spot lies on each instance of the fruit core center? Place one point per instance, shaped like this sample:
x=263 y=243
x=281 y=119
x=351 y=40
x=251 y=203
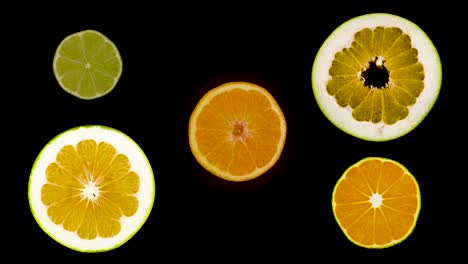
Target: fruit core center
x=376 y=75
x=88 y=65
x=376 y=200
x=91 y=191
x=239 y=130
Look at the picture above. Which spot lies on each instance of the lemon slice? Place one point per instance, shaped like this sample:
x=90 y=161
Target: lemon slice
x=91 y=188
x=87 y=64
x=377 y=76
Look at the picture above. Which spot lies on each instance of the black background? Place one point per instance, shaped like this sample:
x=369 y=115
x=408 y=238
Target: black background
x=172 y=54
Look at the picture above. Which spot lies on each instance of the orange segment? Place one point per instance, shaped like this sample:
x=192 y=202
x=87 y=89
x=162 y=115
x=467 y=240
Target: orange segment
x=242 y=163
x=370 y=172
x=352 y=191
x=392 y=174
x=405 y=204
x=376 y=202
x=211 y=139
x=382 y=231
x=237 y=131
x=221 y=156
x=362 y=230
x=351 y=212
x=398 y=222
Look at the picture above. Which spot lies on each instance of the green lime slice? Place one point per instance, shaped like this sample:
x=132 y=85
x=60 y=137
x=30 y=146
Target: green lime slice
x=87 y=64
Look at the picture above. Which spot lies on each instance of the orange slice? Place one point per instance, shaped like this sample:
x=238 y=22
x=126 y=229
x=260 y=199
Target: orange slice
x=237 y=131
x=376 y=202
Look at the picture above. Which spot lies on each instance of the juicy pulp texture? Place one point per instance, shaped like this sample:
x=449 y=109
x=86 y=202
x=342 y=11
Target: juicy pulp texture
x=394 y=217
x=238 y=131
x=89 y=188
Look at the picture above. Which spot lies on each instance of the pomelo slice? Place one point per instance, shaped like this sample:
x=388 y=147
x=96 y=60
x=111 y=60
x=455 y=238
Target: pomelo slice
x=91 y=188
x=377 y=76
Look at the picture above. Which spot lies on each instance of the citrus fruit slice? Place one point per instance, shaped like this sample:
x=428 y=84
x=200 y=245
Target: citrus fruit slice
x=91 y=188
x=377 y=76
x=237 y=131
x=87 y=64
x=376 y=202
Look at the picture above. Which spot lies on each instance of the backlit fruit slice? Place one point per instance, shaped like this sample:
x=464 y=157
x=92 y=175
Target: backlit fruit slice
x=87 y=64
x=377 y=76
x=237 y=131
x=376 y=202
x=91 y=188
